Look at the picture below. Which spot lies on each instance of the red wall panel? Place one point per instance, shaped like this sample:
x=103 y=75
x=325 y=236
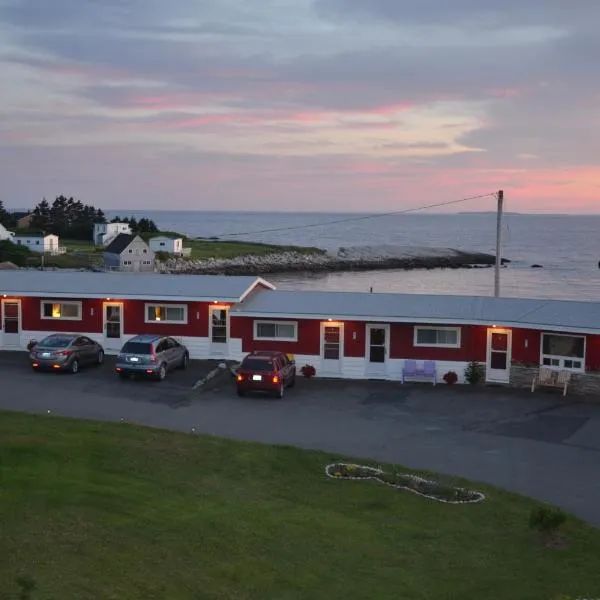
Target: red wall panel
x=592 y=353
x=91 y=317
x=134 y=320
x=526 y=346
x=354 y=339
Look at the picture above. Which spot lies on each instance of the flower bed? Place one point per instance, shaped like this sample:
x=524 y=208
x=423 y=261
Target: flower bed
x=411 y=483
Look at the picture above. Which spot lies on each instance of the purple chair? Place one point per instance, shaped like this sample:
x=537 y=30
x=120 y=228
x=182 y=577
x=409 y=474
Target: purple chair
x=410 y=369
x=429 y=371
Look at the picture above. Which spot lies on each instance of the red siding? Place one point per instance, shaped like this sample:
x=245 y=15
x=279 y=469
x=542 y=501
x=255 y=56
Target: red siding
x=134 y=320
x=592 y=353
x=473 y=344
x=354 y=339
x=526 y=346
x=309 y=332
x=90 y=323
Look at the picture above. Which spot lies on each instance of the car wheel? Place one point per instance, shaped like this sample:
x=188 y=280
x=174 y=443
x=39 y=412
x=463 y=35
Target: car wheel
x=241 y=392
x=281 y=391
x=292 y=381
x=100 y=358
x=75 y=367
x=185 y=361
x=162 y=372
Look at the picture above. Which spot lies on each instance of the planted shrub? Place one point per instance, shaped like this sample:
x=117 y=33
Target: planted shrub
x=308 y=371
x=474 y=372
x=546 y=520
x=450 y=377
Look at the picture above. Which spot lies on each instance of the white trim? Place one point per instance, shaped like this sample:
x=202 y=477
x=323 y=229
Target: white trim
x=331 y=364
x=220 y=347
x=450 y=322
x=77 y=303
x=184 y=321
x=563 y=358
x=256 y=337
x=259 y=281
x=3 y=334
x=428 y=328
x=112 y=343
x=378 y=370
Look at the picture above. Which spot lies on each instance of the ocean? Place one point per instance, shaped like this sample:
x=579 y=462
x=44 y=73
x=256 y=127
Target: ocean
x=566 y=246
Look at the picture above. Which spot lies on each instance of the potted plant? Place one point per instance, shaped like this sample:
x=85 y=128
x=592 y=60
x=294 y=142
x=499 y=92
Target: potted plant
x=308 y=371
x=450 y=377
x=474 y=372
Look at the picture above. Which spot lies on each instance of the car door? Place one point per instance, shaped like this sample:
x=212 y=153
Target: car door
x=175 y=351
x=162 y=351
x=79 y=347
x=89 y=347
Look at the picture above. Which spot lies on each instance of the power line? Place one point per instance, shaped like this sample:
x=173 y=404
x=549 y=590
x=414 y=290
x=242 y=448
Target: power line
x=361 y=218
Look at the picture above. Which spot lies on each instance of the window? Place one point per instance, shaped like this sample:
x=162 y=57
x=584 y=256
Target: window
x=276 y=330
x=218 y=325
x=439 y=337
x=65 y=311
x=37 y=242
x=166 y=313
x=162 y=244
x=563 y=351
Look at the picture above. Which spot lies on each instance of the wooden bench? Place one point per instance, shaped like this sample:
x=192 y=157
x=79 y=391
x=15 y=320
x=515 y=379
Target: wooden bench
x=548 y=377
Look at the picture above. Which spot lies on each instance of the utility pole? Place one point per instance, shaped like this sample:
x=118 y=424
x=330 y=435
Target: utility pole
x=500 y=196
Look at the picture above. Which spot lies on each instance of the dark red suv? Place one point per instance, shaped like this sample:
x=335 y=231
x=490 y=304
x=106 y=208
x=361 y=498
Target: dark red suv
x=266 y=371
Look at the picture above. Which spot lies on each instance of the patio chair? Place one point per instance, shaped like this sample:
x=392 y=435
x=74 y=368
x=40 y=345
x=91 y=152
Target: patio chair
x=550 y=378
x=409 y=370
x=429 y=371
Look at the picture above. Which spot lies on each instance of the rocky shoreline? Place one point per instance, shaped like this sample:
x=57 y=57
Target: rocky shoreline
x=343 y=260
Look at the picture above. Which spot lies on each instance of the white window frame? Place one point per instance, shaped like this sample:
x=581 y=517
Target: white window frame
x=165 y=306
x=561 y=359
x=275 y=339
x=74 y=302
x=417 y=328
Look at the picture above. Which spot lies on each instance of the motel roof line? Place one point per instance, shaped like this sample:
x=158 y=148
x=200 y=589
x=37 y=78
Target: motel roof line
x=128 y=286
x=556 y=315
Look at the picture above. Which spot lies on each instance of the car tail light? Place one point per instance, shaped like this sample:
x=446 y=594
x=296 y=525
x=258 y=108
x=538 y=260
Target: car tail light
x=35 y=364
x=240 y=377
x=65 y=353
x=149 y=371
x=275 y=379
x=118 y=369
x=56 y=366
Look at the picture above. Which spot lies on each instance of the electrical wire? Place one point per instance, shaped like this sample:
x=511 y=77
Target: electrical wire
x=360 y=218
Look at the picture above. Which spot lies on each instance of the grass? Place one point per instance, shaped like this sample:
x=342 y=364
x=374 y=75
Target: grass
x=202 y=249
x=112 y=511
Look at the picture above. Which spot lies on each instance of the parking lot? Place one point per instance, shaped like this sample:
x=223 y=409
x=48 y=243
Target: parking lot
x=540 y=445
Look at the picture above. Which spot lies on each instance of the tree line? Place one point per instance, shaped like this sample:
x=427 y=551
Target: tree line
x=72 y=219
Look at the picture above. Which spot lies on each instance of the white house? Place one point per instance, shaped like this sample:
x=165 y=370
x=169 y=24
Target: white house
x=128 y=252
x=162 y=243
x=105 y=233
x=38 y=242
x=5 y=234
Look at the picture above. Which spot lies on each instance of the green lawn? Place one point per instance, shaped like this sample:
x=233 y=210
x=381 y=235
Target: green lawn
x=231 y=249
x=111 y=511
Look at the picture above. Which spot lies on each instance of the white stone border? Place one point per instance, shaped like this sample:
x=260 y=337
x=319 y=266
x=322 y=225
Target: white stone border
x=479 y=496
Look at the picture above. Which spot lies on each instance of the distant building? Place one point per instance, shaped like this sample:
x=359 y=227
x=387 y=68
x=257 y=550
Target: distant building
x=39 y=242
x=5 y=234
x=105 y=233
x=169 y=245
x=128 y=252
x=23 y=221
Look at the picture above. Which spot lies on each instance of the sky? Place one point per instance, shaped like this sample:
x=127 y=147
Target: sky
x=301 y=105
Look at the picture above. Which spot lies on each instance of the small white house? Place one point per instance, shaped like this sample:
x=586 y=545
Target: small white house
x=166 y=244
x=38 y=242
x=105 y=233
x=5 y=234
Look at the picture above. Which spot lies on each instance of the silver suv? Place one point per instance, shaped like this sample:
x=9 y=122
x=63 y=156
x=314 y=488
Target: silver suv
x=151 y=355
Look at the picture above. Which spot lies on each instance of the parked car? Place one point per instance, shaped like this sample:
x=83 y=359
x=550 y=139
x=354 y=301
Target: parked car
x=266 y=371
x=151 y=355
x=65 y=352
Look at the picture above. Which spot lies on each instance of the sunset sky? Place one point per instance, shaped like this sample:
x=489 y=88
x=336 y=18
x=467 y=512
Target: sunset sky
x=328 y=105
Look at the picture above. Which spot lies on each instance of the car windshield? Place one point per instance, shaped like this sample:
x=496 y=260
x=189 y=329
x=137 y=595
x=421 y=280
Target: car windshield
x=56 y=341
x=255 y=364
x=137 y=348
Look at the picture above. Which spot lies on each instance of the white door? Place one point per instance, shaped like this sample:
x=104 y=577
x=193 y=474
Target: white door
x=219 y=331
x=499 y=346
x=11 y=323
x=113 y=326
x=332 y=348
x=377 y=350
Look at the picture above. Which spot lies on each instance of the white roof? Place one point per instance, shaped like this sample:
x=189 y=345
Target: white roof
x=554 y=315
x=132 y=286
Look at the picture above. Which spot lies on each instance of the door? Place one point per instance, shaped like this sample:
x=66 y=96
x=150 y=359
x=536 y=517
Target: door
x=377 y=350
x=219 y=331
x=11 y=323
x=499 y=345
x=113 y=326
x=332 y=351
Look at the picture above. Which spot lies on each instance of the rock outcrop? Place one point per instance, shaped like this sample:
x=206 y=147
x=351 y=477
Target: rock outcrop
x=345 y=259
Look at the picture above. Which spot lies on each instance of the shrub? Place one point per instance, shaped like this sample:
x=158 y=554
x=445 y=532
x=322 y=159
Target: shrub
x=546 y=519
x=450 y=377
x=474 y=372
x=308 y=371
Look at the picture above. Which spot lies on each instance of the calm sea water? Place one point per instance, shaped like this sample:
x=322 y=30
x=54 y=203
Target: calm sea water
x=568 y=247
